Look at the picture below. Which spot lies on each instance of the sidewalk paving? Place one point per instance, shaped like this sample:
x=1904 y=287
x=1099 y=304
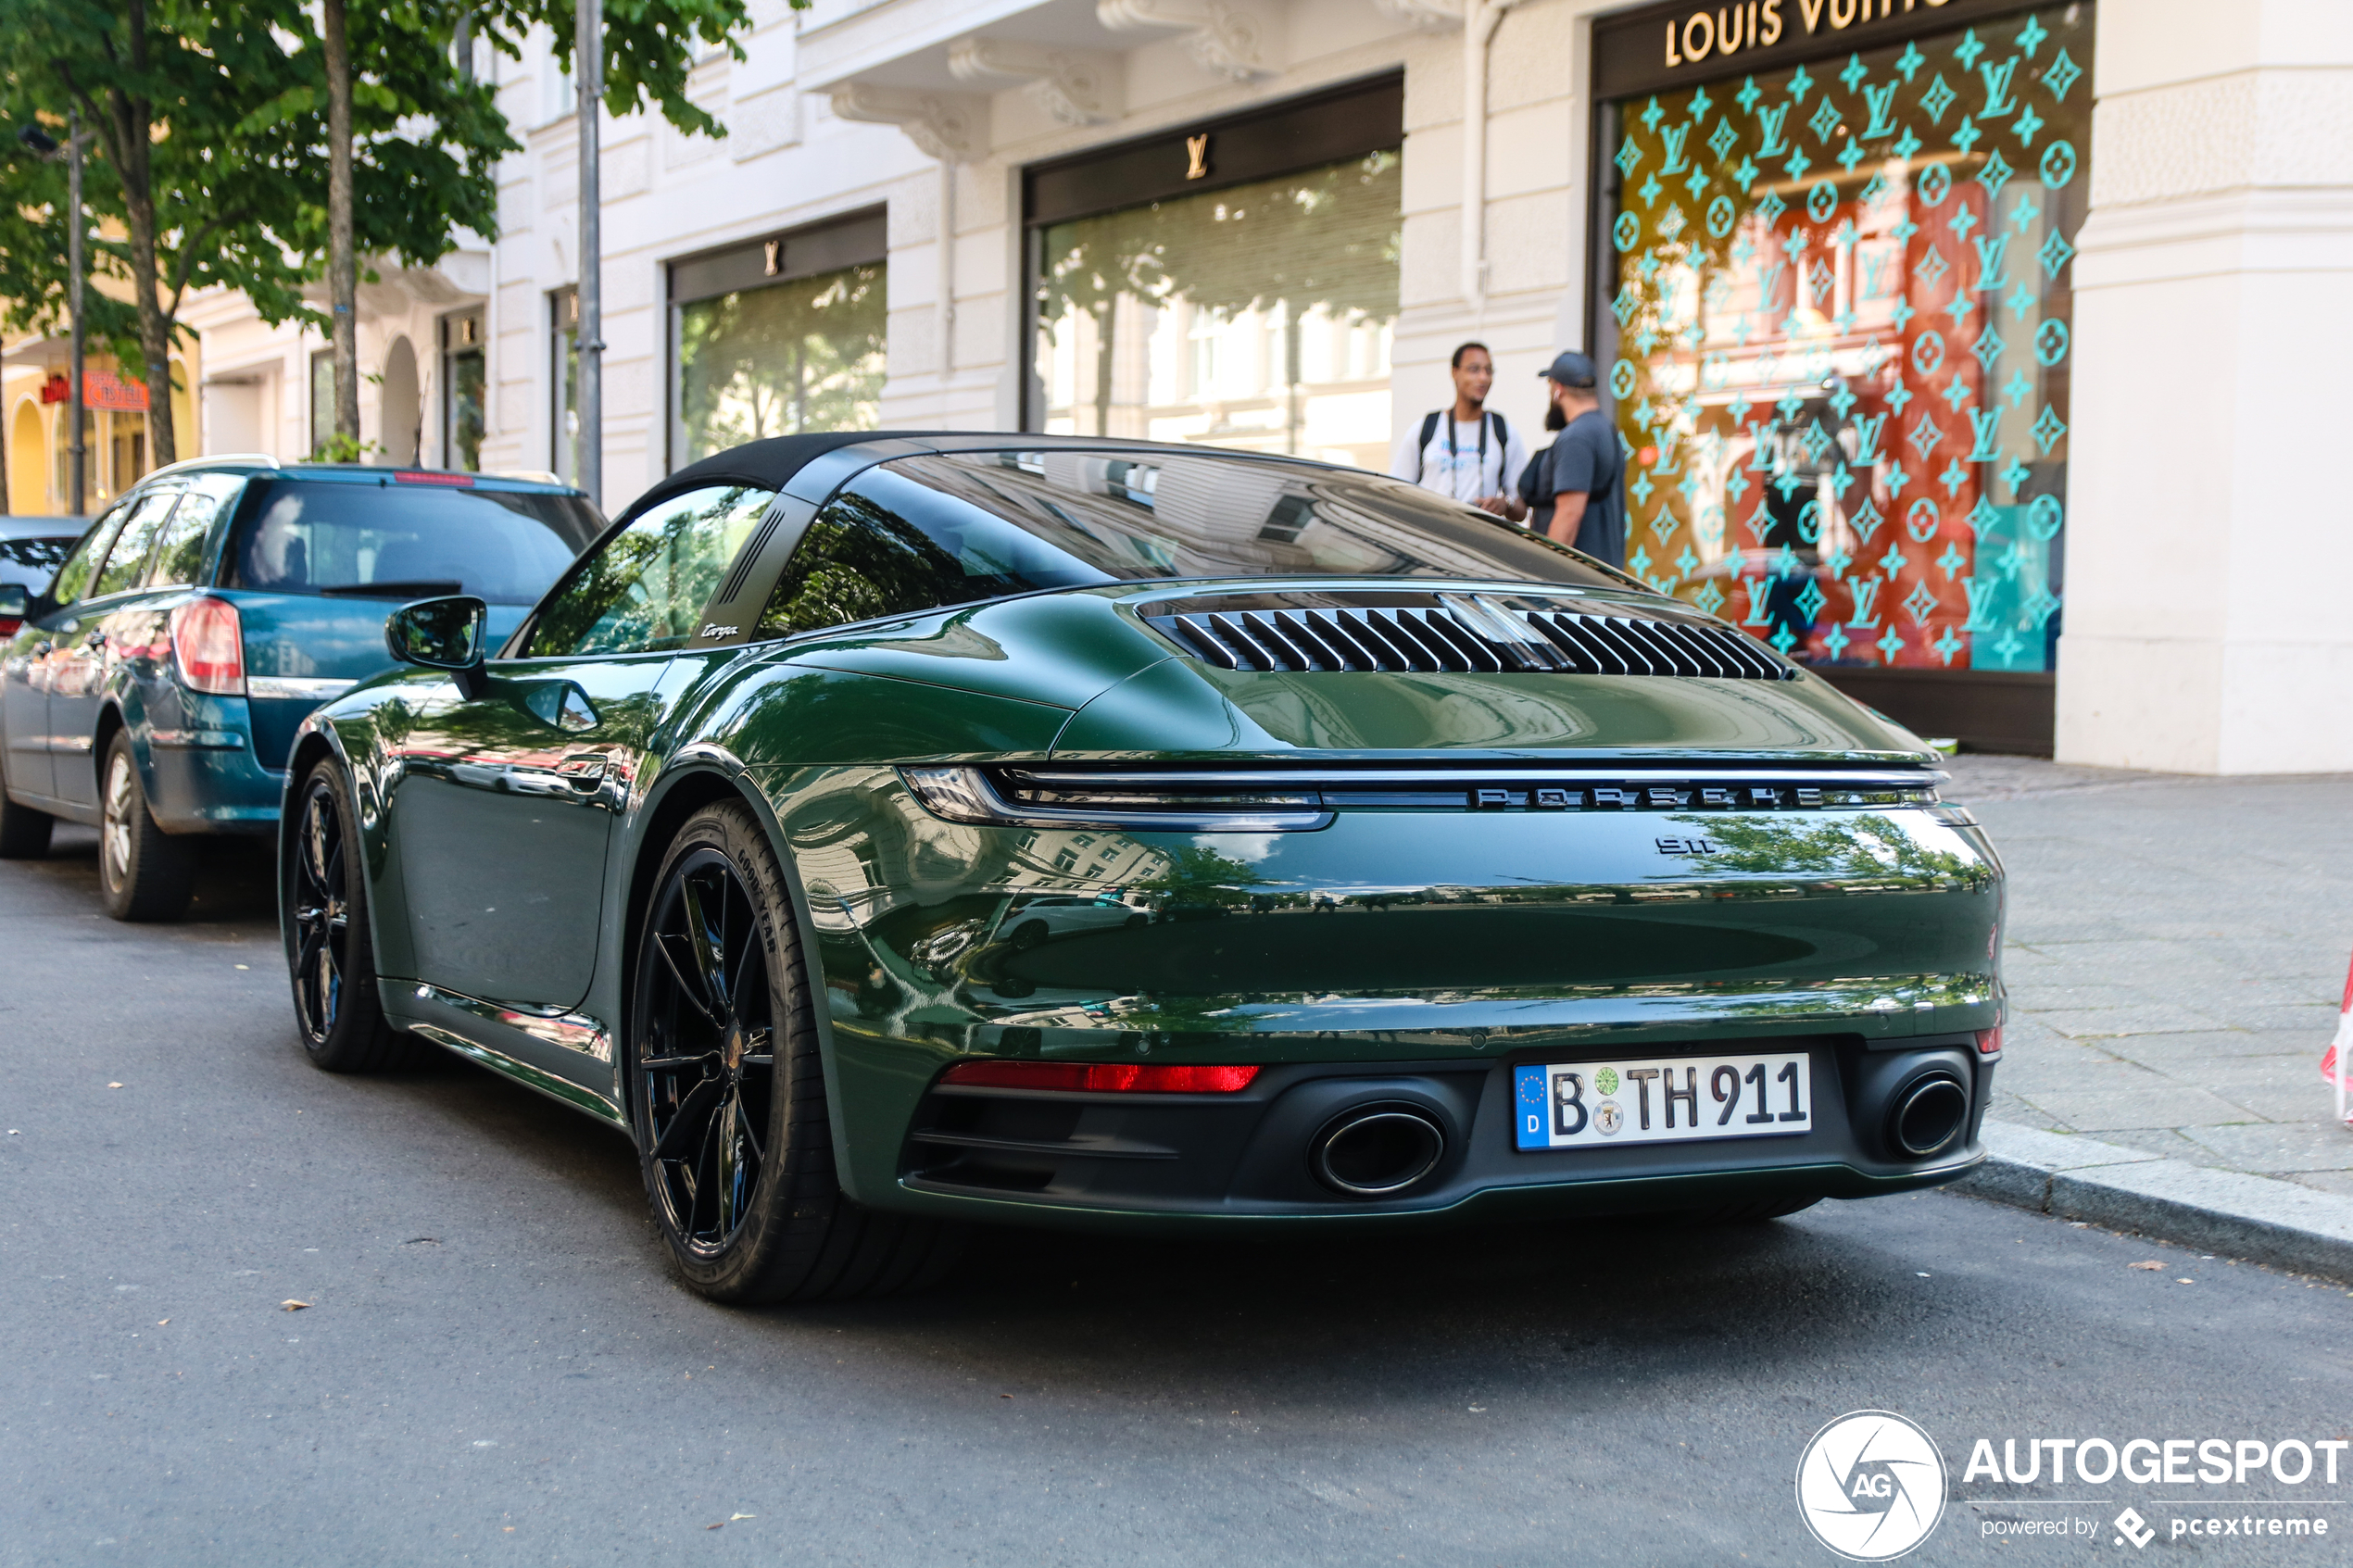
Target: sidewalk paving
x=2177 y=948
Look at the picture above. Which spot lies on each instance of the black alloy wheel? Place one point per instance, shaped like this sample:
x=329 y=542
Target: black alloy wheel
x=705 y=1074
x=330 y=955
x=727 y=1094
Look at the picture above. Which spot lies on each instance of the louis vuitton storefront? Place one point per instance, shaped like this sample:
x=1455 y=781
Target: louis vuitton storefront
x=1834 y=248
x=2011 y=428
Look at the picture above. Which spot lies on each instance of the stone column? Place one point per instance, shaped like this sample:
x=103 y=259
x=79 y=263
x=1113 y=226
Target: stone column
x=2211 y=536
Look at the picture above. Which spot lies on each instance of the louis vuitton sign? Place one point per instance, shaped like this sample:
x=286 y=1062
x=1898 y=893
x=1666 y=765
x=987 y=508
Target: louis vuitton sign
x=1662 y=46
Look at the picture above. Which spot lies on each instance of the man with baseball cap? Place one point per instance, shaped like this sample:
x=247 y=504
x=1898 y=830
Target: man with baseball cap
x=1581 y=490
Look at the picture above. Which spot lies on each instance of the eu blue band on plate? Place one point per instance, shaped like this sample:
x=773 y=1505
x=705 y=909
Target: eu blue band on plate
x=1528 y=1085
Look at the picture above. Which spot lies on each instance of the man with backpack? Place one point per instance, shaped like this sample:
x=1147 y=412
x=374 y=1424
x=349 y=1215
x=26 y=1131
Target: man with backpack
x=1465 y=452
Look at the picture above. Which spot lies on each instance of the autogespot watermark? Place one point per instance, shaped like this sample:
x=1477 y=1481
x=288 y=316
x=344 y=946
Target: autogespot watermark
x=1872 y=1485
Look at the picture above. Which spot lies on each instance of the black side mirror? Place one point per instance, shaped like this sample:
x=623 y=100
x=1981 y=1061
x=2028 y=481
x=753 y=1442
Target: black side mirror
x=444 y=634
x=14 y=601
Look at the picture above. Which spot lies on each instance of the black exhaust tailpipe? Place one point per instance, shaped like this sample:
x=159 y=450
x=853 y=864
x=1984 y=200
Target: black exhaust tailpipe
x=1374 y=1150
x=1927 y=1114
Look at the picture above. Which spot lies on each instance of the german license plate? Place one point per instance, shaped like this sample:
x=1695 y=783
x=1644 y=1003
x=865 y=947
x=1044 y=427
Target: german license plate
x=1679 y=1100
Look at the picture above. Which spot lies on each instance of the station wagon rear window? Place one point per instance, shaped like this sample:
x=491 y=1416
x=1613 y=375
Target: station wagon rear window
x=405 y=541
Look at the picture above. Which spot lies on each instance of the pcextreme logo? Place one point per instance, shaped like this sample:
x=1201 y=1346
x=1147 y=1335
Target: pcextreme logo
x=1870 y=1486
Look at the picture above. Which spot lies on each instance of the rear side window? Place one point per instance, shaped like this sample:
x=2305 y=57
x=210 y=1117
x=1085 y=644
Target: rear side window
x=888 y=546
x=395 y=540
x=179 y=557
x=74 y=576
x=645 y=588
x=127 y=562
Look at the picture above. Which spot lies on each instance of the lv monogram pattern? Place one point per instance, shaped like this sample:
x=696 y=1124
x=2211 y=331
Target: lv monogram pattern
x=1841 y=301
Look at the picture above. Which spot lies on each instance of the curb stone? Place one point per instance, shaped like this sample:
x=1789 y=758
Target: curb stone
x=2229 y=1213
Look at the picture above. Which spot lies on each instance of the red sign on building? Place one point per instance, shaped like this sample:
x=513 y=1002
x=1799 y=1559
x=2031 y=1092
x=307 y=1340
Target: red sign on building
x=100 y=389
x=104 y=389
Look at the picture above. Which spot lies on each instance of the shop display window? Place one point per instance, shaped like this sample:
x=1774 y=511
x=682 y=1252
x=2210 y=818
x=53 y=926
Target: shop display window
x=1836 y=310
x=799 y=355
x=1257 y=316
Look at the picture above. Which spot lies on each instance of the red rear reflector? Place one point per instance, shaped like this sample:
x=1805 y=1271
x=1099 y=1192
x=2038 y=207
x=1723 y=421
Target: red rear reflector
x=1103 y=1077
x=8 y=625
x=211 y=647
x=424 y=476
x=1988 y=1041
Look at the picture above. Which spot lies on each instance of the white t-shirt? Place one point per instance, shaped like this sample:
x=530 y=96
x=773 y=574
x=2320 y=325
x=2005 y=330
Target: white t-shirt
x=1460 y=469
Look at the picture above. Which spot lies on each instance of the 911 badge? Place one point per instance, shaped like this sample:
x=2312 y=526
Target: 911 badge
x=1677 y=1100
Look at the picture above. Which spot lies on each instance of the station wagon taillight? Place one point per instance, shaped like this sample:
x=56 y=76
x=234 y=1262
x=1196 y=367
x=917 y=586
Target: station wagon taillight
x=209 y=646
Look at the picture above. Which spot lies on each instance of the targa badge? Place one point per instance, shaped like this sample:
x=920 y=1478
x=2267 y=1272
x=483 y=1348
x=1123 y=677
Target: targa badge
x=1870 y=1486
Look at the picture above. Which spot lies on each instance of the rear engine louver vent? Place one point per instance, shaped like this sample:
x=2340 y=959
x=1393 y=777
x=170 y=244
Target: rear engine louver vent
x=1468 y=635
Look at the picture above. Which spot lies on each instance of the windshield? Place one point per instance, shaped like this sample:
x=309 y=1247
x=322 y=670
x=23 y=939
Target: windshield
x=395 y=541
x=920 y=533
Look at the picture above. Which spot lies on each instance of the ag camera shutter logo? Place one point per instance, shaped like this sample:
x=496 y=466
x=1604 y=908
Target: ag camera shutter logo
x=1870 y=1486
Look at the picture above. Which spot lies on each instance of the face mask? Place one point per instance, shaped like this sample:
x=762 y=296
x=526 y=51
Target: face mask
x=1554 y=418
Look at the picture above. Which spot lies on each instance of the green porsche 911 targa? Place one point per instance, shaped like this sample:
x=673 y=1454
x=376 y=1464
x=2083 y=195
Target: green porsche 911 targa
x=892 y=830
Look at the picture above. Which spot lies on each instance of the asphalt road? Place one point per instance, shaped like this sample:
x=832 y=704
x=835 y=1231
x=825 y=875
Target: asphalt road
x=495 y=1365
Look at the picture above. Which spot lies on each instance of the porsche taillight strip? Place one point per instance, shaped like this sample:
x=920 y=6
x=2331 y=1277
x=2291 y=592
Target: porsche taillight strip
x=1276 y=799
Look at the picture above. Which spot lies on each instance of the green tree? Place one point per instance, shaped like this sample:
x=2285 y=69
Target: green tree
x=208 y=137
x=387 y=58
x=383 y=99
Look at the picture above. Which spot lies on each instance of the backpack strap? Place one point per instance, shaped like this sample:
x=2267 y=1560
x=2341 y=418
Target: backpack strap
x=1430 y=428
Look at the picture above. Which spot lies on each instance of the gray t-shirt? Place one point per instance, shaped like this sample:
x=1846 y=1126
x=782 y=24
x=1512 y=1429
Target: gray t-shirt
x=1586 y=457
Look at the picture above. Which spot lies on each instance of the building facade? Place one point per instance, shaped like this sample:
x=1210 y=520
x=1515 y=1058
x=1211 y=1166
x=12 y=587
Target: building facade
x=1978 y=354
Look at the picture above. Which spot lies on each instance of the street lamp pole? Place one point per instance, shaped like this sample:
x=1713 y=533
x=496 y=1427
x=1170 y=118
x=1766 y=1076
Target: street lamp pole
x=77 y=449
x=588 y=61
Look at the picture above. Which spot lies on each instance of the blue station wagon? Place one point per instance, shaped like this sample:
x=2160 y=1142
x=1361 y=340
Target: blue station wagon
x=154 y=690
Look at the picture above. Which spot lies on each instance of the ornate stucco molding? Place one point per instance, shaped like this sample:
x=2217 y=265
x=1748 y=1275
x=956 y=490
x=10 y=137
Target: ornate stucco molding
x=1230 y=40
x=951 y=127
x=1075 y=86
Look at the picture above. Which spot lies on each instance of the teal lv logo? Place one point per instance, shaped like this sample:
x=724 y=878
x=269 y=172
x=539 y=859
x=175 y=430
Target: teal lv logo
x=1667 y=436
x=1986 y=427
x=1881 y=99
x=1997 y=87
x=1981 y=602
x=1865 y=592
x=1866 y=429
x=1993 y=262
x=1676 y=136
x=1770 y=121
x=1759 y=595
